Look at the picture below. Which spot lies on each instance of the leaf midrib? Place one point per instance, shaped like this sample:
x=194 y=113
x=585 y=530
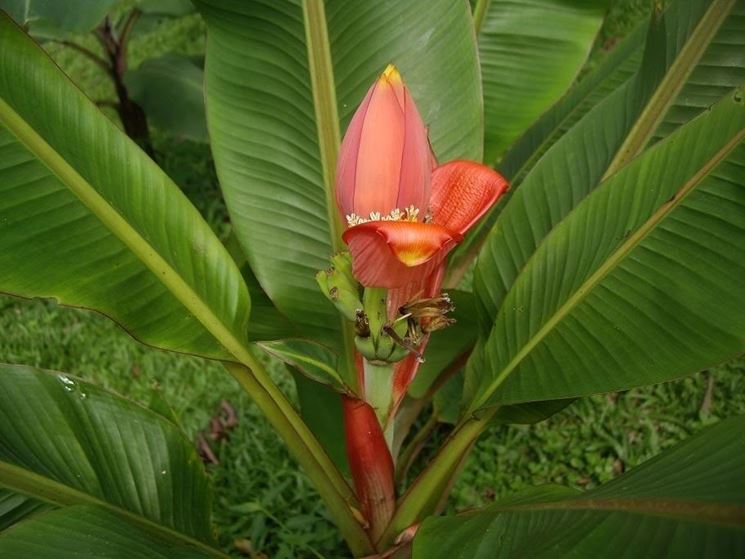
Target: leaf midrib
x=479 y=14
x=675 y=78
x=53 y=492
x=320 y=68
x=587 y=287
x=666 y=507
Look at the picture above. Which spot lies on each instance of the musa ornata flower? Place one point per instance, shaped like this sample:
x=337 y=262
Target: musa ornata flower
x=403 y=213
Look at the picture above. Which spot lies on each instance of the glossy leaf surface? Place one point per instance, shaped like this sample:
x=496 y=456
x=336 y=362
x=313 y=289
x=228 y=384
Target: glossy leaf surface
x=721 y=69
x=530 y=52
x=613 y=71
x=267 y=323
x=88 y=531
x=598 y=145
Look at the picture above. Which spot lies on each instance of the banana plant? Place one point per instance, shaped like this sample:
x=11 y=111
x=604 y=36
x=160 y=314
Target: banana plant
x=606 y=251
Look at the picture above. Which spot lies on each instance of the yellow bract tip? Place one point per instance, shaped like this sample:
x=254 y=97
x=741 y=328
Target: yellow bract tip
x=391 y=73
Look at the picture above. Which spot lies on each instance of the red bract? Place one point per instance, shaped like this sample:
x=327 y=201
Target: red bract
x=370 y=462
x=403 y=215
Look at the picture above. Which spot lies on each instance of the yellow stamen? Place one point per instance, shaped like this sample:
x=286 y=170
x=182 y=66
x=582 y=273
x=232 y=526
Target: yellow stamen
x=407 y=214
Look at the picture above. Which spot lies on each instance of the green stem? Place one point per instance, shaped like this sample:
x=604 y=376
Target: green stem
x=336 y=493
x=321 y=72
x=424 y=495
x=479 y=12
x=412 y=450
x=378 y=387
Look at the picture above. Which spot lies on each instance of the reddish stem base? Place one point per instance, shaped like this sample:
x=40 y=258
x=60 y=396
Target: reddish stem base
x=371 y=464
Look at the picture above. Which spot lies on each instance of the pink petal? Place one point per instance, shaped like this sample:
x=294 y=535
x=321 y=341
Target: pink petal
x=380 y=150
x=384 y=161
x=416 y=161
x=463 y=191
x=346 y=168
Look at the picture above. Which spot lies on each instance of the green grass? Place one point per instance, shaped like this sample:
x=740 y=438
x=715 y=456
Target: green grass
x=260 y=493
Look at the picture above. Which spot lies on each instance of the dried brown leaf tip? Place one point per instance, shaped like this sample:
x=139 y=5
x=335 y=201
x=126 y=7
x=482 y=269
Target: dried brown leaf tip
x=219 y=427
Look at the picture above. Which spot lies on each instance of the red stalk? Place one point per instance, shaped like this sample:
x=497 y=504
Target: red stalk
x=371 y=464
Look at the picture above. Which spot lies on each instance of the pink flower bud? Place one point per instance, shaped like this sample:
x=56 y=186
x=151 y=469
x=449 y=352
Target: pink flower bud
x=385 y=162
x=403 y=214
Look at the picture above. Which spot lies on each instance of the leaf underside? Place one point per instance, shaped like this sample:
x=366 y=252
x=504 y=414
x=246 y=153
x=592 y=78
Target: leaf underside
x=687 y=502
x=585 y=288
x=87 y=219
x=67 y=444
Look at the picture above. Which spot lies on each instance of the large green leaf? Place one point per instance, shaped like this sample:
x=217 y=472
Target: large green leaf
x=169 y=90
x=641 y=283
x=530 y=54
x=721 y=69
x=615 y=69
x=65 y=443
x=687 y=502
x=275 y=125
x=88 y=219
x=90 y=532
x=607 y=137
